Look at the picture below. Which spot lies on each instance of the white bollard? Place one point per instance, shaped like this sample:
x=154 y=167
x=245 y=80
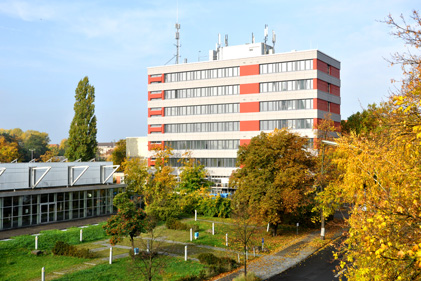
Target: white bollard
x=111 y=255
x=195 y=215
x=213 y=228
x=254 y=252
x=43 y=274
x=267 y=229
x=238 y=258
x=36 y=242
x=226 y=239
x=185 y=253
x=191 y=234
x=81 y=235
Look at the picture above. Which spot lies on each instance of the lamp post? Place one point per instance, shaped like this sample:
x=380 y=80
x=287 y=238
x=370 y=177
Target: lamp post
x=32 y=153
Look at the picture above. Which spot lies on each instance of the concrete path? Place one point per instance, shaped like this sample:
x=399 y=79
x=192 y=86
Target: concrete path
x=276 y=263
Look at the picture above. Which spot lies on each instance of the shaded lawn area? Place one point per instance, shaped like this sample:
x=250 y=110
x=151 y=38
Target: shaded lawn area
x=124 y=270
x=20 y=264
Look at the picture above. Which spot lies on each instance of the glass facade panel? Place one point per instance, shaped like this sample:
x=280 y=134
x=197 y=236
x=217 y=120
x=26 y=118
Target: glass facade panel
x=25 y=210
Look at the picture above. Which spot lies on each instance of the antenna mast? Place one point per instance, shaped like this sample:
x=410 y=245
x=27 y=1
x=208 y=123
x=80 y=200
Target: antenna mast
x=177 y=45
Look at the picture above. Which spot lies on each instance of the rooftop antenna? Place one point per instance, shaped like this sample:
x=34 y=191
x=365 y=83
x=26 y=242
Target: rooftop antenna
x=177 y=38
x=219 y=40
x=226 y=40
x=273 y=40
x=266 y=38
x=252 y=38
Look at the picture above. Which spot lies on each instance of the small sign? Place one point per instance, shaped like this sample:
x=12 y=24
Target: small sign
x=263 y=240
x=136 y=251
x=196 y=235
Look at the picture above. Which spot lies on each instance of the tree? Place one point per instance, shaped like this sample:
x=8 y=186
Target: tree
x=243 y=229
x=63 y=147
x=128 y=222
x=193 y=175
x=159 y=192
x=36 y=142
x=324 y=170
x=362 y=122
x=273 y=176
x=9 y=149
x=150 y=261
x=82 y=134
x=380 y=177
x=136 y=175
x=118 y=155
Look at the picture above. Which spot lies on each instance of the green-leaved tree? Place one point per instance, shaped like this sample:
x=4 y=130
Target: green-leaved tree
x=82 y=143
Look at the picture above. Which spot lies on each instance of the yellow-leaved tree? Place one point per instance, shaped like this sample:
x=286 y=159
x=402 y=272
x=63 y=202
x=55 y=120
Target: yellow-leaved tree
x=381 y=178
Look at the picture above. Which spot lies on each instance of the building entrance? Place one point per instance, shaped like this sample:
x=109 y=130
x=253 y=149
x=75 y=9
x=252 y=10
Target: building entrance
x=48 y=211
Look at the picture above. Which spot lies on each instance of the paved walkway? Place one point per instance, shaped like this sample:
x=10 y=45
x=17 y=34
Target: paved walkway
x=276 y=263
x=5 y=234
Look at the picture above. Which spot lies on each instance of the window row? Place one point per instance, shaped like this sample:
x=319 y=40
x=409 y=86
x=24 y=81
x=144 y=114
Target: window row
x=269 y=125
x=203 y=92
x=203 y=127
x=204 y=144
x=202 y=109
x=286 y=66
x=293 y=85
x=286 y=105
x=202 y=74
x=207 y=162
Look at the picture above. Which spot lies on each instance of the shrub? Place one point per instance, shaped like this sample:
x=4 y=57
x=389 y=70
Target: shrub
x=64 y=249
x=173 y=223
x=209 y=259
x=250 y=277
x=228 y=263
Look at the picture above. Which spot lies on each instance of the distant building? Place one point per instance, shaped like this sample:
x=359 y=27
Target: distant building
x=105 y=149
x=137 y=147
x=40 y=193
x=213 y=107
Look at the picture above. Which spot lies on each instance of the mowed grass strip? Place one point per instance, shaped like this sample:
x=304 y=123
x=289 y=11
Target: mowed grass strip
x=124 y=270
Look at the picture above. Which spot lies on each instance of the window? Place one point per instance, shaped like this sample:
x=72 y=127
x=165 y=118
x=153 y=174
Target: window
x=202 y=127
x=286 y=86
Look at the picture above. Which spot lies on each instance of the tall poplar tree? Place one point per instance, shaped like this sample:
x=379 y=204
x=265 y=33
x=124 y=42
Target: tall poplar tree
x=82 y=142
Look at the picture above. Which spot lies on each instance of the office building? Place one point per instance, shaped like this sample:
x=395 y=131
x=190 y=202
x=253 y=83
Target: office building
x=212 y=107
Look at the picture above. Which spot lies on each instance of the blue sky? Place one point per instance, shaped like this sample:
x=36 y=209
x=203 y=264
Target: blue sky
x=46 y=47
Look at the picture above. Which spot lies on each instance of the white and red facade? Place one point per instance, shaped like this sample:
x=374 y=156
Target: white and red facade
x=212 y=107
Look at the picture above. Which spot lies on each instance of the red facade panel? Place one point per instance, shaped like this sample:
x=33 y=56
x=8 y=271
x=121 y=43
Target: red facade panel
x=155 y=112
x=152 y=146
x=244 y=142
x=159 y=79
x=151 y=162
x=335 y=90
x=335 y=108
x=320 y=85
x=316 y=122
x=246 y=70
x=155 y=96
x=335 y=72
x=320 y=65
x=155 y=129
x=320 y=104
x=253 y=125
x=253 y=88
x=249 y=107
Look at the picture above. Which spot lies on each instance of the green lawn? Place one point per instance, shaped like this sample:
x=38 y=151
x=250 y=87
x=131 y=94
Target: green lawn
x=123 y=269
x=20 y=264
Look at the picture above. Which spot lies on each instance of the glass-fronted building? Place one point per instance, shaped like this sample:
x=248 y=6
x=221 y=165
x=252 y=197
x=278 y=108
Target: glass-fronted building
x=39 y=193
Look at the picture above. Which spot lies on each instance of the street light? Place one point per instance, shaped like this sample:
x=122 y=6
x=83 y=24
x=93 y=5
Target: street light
x=32 y=153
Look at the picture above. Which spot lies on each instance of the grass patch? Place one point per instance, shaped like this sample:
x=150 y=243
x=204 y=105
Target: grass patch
x=124 y=270
x=17 y=262
x=20 y=264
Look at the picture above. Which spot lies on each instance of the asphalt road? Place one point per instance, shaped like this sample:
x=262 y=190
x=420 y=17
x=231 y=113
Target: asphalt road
x=318 y=267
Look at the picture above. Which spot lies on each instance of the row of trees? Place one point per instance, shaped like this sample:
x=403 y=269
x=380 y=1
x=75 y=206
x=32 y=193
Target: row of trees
x=81 y=144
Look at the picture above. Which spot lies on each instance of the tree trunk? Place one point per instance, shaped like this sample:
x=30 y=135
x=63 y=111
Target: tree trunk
x=245 y=261
x=274 y=229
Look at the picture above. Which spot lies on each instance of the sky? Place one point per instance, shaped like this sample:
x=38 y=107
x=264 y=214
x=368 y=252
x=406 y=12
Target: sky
x=47 y=47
